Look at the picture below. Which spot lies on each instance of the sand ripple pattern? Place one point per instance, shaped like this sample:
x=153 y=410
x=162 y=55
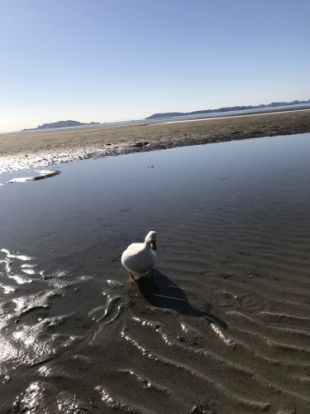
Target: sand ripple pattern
x=46 y=317
x=225 y=329
x=230 y=317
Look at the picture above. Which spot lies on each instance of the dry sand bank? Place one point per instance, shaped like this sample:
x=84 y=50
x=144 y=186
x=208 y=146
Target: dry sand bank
x=45 y=147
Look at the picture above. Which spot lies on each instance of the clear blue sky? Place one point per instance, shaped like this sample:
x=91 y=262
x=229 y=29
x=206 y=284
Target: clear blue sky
x=106 y=60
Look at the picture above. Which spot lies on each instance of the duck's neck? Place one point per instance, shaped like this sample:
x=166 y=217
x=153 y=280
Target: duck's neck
x=147 y=244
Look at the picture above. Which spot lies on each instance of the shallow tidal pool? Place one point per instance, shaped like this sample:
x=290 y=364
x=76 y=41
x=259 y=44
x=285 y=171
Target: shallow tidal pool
x=223 y=327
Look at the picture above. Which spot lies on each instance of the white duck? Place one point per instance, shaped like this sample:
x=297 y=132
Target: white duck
x=140 y=258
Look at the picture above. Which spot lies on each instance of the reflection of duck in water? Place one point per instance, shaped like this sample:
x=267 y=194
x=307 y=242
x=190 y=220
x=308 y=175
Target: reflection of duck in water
x=140 y=258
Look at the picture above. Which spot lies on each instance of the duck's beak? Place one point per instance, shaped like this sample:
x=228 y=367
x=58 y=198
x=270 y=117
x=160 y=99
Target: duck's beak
x=153 y=245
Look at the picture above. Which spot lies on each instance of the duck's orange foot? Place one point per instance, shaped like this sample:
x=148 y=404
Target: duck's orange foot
x=131 y=278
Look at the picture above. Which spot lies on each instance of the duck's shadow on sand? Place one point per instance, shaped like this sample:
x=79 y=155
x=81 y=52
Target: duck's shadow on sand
x=162 y=292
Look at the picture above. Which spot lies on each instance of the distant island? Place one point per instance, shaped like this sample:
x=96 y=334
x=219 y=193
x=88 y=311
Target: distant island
x=61 y=124
x=227 y=109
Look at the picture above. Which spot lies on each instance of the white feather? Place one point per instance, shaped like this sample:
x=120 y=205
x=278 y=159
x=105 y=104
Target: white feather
x=140 y=258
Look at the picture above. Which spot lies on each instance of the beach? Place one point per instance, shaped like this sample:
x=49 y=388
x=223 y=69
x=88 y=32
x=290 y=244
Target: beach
x=39 y=148
x=223 y=326
x=154 y=207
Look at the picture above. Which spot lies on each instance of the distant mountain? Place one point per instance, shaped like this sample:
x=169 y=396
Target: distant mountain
x=226 y=109
x=61 y=124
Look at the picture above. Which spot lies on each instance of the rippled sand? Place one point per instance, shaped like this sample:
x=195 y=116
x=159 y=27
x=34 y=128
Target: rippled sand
x=224 y=325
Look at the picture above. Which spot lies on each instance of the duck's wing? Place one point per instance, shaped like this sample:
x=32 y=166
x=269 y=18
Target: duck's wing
x=134 y=248
x=137 y=258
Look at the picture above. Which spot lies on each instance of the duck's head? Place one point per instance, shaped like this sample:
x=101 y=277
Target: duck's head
x=150 y=239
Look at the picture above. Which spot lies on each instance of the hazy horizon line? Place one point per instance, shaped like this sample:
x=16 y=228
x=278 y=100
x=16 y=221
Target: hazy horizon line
x=291 y=102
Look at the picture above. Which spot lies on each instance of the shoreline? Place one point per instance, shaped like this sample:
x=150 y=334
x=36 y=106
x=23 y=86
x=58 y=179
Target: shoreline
x=236 y=115
x=227 y=304
x=24 y=150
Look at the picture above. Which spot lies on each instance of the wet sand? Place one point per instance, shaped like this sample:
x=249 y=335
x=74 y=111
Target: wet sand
x=41 y=148
x=224 y=326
